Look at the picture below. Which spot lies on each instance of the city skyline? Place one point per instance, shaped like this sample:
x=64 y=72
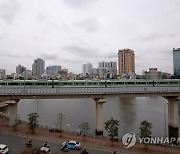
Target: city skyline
x=70 y=33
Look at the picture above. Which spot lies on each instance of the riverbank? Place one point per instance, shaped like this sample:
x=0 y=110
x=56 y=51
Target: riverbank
x=90 y=141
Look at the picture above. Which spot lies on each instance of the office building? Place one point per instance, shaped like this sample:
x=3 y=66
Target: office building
x=53 y=70
x=20 y=69
x=176 y=62
x=2 y=73
x=38 y=67
x=154 y=74
x=87 y=69
x=107 y=69
x=126 y=62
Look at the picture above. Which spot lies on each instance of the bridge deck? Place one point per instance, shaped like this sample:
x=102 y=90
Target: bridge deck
x=88 y=92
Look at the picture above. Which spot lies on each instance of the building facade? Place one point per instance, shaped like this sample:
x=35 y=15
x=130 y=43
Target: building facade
x=107 y=69
x=53 y=70
x=87 y=69
x=126 y=61
x=176 y=62
x=2 y=73
x=28 y=74
x=154 y=74
x=63 y=72
x=38 y=67
x=20 y=69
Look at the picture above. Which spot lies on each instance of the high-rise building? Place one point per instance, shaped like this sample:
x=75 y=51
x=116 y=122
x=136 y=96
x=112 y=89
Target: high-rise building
x=126 y=61
x=87 y=69
x=20 y=69
x=176 y=62
x=53 y=70
x=108 y=69
x=2 y=73
x=38 y=67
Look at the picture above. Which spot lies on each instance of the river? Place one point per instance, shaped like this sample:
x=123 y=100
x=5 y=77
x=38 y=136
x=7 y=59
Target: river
x=129 y=111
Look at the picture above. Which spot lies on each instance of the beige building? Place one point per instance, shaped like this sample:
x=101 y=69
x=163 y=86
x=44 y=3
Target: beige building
x=126 y=61
x=154 y=74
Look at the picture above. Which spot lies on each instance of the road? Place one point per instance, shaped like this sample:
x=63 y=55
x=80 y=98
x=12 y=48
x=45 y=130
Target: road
x=16 y=144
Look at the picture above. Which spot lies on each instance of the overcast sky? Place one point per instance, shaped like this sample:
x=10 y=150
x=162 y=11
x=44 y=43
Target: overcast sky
x=73 y=32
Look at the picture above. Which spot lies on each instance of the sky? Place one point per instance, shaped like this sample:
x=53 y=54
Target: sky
x=74 y=32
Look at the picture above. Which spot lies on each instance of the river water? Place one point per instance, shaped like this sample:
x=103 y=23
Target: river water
x=129 y=111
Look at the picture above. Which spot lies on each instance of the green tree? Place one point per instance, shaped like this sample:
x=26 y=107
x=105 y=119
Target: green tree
x=145 y=131
x=59 y=124
x=17 y=121
x=33 y=120
x=112 y=127
x=84 y=127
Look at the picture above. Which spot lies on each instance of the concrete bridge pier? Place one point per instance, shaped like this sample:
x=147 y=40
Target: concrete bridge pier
x=12 y=110
x=173 y=122
x=99 y=116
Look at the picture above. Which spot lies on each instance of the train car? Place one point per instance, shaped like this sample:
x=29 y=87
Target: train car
x=89 y=83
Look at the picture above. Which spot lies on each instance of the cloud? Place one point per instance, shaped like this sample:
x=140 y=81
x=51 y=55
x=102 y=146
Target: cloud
x=82 y=51
x=172 y=35
x=9 y=60
x=50 y=56
x=152 y=37
x=90 y=25
x=154 y=58
x=5 y=54
x=41 y=17
x=77 y=50
x=87 y=53
x=13 y=55
x=79 y=3
x=9 y=10
x=111 y=55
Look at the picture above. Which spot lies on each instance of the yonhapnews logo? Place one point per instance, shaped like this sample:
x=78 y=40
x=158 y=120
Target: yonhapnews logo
x=129 y=139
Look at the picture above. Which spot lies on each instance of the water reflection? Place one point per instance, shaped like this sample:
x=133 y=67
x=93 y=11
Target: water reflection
x=130 y=111
x=127 y=109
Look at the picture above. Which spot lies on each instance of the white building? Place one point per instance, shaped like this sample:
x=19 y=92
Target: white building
x=87 y=69
x=38 y=67
x=107 y=69
x=2 y=73
x=20 y=69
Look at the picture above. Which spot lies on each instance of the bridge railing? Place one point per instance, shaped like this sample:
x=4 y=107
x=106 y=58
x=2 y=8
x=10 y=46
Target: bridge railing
x=91 y=90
